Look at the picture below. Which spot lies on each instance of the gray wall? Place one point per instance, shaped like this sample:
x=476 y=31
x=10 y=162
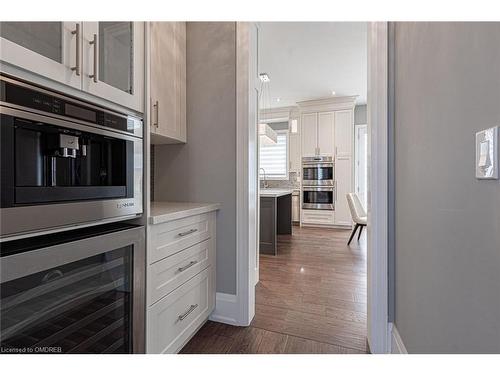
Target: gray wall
x=204 y=169
x=447 y=223
x=360 y=115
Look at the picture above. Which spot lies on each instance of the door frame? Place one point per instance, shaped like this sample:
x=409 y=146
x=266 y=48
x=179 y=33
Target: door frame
x=377 y=113
x=378 y=188
x=357 y=128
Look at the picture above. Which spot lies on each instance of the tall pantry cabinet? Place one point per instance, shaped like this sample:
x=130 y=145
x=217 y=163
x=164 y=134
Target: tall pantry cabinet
x=327 y=130
x=344 y=163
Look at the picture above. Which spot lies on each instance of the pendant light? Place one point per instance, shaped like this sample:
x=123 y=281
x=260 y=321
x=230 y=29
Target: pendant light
x=267 y=135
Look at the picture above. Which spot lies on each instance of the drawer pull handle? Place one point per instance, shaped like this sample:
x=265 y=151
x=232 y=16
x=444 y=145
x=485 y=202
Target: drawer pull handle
x=191 y=264
x=187 y=232
x=190 y=310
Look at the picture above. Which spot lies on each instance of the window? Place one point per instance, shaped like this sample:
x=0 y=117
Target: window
x=274 y=158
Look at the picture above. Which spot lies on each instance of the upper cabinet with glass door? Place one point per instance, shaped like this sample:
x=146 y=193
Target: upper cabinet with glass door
x=105 y=59
x=113 y=63
x=50 y=49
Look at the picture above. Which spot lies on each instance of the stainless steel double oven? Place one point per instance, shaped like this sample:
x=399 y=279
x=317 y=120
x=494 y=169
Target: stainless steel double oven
x=71 y=271
x=318 y=183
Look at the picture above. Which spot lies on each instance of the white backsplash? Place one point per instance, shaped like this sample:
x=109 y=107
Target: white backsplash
x=293 y=182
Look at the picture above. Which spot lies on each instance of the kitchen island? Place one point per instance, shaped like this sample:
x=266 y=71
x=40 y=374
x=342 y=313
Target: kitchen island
x=275 y=218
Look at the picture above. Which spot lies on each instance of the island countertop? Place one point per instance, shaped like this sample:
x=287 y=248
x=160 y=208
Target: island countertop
x=275 y=193
x=166 y=211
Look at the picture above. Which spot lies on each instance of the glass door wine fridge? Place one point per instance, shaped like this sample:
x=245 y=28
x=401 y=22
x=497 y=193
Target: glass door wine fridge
x=78 y=291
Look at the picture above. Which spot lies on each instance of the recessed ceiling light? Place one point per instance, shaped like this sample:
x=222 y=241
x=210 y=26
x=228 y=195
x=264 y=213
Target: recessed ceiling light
x=278 y=99
x=264 y=77
x=333 y=93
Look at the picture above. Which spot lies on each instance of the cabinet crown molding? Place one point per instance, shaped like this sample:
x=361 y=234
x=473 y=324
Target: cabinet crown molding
x=335 y=103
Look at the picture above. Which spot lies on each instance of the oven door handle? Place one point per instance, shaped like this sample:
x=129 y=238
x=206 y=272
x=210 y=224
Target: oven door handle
x=318 y=188
x=317 y=165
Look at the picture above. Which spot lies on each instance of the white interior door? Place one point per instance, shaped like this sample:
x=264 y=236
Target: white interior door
x=361 y=163
x=45 y=48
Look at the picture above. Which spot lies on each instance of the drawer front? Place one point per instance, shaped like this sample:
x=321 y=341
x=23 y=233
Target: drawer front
x=173 y=319
x=169 y=273
x=318 y=217
x=174 y=236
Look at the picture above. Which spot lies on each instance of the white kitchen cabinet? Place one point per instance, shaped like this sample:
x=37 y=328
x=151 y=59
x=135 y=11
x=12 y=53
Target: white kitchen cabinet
x=168 y=82
x=318 y=134
x=49 y=49
x=296 y=207
x=309 y=134
x=173 y=319
x=327 y=130
x=104 y=59
x=344 y=129
x=113 y=62
x=326 y=125
x=295 y=153
x=318 y=217
x=295 y=148
x=180 y=273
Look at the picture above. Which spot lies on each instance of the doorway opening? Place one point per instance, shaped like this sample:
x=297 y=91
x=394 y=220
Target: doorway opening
x=320 y=295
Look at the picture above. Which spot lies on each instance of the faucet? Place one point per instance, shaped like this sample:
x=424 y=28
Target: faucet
x=266 y=185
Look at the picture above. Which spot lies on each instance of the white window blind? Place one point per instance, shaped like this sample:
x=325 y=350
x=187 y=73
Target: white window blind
x=274 y=158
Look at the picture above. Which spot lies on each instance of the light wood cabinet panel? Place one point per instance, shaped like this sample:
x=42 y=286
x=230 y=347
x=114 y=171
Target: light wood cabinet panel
x=326 y=134
x=309 y=134
x=168 y=82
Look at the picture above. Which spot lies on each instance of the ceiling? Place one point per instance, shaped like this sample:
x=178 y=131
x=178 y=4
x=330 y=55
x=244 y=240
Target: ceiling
x=309 y=60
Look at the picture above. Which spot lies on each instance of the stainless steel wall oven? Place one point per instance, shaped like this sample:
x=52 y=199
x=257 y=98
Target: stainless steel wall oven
x=65 y=162
x=77 y=291
x=318 y=198
x=318 y=171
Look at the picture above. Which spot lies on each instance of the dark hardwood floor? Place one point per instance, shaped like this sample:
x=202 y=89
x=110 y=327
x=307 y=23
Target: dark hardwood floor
x=311 y=298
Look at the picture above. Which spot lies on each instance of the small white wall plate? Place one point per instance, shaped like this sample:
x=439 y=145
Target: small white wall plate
x=487 y=153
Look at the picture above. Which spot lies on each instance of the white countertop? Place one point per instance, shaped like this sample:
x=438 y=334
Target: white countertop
x=167 y=211
x=275 y=193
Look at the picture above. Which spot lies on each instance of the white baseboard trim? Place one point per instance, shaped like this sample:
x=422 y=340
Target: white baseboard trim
x=397 y=345
x=226 y=309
